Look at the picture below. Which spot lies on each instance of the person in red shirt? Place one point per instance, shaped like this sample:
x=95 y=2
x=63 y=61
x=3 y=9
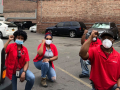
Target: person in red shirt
x=84 y=64
x=46 y=54
x=105 y=62
x=17 y=60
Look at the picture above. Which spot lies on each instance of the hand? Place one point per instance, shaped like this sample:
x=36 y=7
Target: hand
x=45 y=60
x=85 y=31
x=43 y=41
x=22 y=78
x=11 y=37
x=94 y=33
x=117 y=89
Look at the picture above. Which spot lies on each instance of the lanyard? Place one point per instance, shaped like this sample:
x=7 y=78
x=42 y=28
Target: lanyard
x=18 y=55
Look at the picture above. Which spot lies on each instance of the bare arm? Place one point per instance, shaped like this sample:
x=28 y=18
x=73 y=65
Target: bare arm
x=85 y=47
x=11 y=37
x=118 y=84
x=40 y=51
x=26 y=66
x=51 y=59
x=84 y=37
x=22 y=77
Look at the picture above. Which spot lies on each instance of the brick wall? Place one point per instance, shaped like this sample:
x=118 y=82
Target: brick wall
x=87 y=11
x=19 y=8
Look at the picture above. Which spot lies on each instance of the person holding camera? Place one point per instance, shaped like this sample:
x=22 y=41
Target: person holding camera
x=84 y=64
x=46 y=54
x=105 y=62
x=17 y=60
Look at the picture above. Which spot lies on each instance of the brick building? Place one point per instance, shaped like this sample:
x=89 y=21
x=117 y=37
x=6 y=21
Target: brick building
x=20 y=10
x=88 y=11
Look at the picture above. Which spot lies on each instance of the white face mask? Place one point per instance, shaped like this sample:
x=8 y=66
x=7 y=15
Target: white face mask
x=107 y=43
x=94 y=39
x=48 y=42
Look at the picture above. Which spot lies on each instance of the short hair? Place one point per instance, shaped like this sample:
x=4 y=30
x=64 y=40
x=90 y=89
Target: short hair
x=20 y=33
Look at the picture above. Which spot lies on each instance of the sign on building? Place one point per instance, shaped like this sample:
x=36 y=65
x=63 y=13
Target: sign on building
x=1 y=6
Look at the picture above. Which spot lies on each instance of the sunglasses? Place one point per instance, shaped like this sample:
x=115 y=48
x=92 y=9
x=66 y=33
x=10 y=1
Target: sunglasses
x=48 y=38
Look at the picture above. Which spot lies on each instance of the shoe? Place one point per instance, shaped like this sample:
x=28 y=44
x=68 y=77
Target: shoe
x=83 y=76
x=43 y=82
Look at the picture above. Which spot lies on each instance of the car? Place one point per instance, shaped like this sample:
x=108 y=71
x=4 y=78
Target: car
x=18 y=24
x=23 y=24
x=27 y=24
x=7 y=28
x=33 y=28
x=3 y=30
x=71 y=28
x=105 y=26
x=5 y=82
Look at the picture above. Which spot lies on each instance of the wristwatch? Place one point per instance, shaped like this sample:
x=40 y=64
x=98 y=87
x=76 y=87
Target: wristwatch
x=24 y=71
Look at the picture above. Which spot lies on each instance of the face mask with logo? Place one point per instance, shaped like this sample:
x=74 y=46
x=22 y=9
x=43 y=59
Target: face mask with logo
x=48 y=42
x=107 y=43
x=19 y=42
x=94 y=39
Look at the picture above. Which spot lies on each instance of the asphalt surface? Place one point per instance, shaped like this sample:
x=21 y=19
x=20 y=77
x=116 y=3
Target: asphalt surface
x=67 y=66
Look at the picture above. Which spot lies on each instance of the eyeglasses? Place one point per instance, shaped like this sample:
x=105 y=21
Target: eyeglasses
x=48 y=38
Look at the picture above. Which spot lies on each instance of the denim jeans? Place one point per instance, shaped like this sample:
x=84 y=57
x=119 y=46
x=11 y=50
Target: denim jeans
x=46 y=69
x=113 y=88
x=29 y=77
x=85 y=70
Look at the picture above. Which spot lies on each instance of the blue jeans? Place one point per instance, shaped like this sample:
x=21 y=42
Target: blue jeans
x=113 y=88
x=29 y=77
x=85 y=70
x=46 y=69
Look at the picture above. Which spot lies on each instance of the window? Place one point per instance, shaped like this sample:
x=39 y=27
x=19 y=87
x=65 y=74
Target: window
x=75 y=24
x=67 y=24
x=60 y=24
x=0 y=24
x=11 y=25
x=101 y=25
x=112 y=25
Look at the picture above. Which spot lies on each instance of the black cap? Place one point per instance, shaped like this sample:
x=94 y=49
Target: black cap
x=107 y=33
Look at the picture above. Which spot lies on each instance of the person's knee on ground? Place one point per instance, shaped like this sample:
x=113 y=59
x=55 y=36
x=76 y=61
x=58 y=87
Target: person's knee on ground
x=53 y=79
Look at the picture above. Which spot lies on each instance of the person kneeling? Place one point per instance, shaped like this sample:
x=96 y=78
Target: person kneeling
x=105 y=62
x=47 y=53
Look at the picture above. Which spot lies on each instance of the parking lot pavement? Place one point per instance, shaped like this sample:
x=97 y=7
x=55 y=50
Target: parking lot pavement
x=67 y=66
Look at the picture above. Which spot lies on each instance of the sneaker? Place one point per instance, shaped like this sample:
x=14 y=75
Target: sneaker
x=43 y=82
x=83 y=76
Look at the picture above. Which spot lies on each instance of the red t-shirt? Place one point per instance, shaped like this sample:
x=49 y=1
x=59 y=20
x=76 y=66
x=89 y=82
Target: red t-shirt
x=104 y=71
x=11 y=61
x=53 y=49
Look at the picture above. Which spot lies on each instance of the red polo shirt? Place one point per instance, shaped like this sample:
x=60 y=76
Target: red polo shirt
x=11 y=61
x=53 y=49
x=104 y=71
x=96 y=43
